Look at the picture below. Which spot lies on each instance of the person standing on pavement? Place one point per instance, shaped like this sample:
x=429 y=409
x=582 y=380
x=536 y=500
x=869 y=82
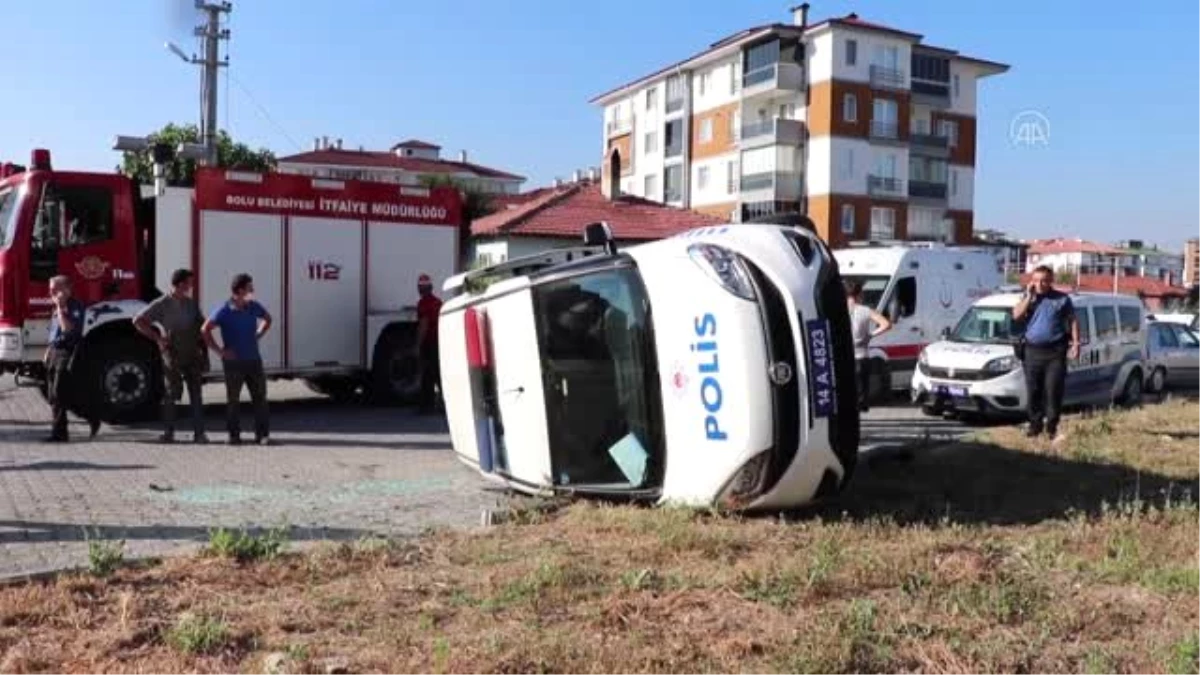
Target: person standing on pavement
x=243 y=322
x=183 y=351
x=1051 y=337
x=865 y=323
x=66 y=333
x=428 y=308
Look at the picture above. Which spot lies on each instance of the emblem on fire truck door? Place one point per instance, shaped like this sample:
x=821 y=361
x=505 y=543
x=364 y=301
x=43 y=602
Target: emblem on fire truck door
x=91 y=267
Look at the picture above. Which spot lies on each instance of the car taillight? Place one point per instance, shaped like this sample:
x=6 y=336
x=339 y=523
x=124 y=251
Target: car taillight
x=479 y=369
x=478 y=347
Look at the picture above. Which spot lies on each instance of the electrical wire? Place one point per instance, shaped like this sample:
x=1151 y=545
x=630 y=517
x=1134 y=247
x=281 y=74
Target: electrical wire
x=263 y=111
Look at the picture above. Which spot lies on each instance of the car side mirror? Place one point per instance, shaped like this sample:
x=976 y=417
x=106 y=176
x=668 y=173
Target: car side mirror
x=600 y=234
x=945 y=332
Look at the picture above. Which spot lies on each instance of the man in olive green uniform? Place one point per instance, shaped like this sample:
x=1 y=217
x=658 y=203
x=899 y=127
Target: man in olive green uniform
x=182 y=347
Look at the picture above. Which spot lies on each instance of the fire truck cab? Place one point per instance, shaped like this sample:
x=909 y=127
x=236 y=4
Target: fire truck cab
x=334 y=261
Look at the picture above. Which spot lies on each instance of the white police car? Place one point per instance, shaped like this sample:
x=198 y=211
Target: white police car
x=710 y=368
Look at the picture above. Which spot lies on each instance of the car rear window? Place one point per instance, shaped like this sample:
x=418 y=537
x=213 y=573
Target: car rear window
x=1131 y=320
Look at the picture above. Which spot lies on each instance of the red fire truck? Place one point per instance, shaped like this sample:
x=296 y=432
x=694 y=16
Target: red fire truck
x=335 y=262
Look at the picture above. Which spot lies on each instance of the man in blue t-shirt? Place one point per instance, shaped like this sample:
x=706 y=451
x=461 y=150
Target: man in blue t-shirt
x=243 y=322
x=1051 y=337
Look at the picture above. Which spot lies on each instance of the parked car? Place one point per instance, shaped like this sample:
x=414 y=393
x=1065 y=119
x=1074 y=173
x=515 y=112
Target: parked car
x=714 y=367
x=1172 y=356
x=974 y=369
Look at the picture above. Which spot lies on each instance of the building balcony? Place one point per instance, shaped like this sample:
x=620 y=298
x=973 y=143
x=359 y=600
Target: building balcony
x=773 y=132
x=885 y=186
x=887 y=78
x=674 y=105
x=773 y=79
x=673 y=151
x=931 y=93
x=927 y=191
x=885 y=131
x=771 y=186
x=620 y=127
x=930 y=145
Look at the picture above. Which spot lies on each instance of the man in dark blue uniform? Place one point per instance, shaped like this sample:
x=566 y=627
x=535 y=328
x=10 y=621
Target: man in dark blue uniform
x=66 y=332
x=1051 y=337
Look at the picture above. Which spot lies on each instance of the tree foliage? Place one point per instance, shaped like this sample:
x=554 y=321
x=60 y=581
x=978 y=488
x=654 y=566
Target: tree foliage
x=475 y=204
x=182 y=172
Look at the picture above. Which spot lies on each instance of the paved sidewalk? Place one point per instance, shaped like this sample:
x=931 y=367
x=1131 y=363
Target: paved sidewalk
x=338 y=472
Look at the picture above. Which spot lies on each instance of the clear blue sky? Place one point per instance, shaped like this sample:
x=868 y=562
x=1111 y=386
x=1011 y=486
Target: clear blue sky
x=510 y=82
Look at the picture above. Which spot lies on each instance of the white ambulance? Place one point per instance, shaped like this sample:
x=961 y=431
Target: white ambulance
x=924 y=288
x=712 y=368
x=974 y=370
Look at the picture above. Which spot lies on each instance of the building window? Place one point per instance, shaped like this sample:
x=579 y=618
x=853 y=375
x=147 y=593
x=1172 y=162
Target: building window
x=887 y=56
x=650 y=186
x=953 y=182
x=651 y=98
x=883 y=223
x=735 y=77
x=675 y=93
x=949 y=129
x=702 y=178
x=673 y=138
x=885 y=165
x=673 y=183
x=885 y=115
x=847 y=223
x=851 y=52
x=850 y=108
x=731 y=176
x=955 y=86
x=651 y=142
x=706 y=130
x=705 y=82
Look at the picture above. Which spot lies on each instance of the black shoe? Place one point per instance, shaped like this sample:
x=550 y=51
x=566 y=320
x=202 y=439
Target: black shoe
x=263 y=441
x=1033 y=432
x=200 y=438
x=235 y=440
x=94 y=428
x=167 y=438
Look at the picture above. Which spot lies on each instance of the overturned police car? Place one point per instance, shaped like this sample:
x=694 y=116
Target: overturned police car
x=711 y=368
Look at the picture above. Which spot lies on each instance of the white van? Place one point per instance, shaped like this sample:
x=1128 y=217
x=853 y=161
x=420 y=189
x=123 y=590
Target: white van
x=974 y=369
x=714 y=367
x=924 y=288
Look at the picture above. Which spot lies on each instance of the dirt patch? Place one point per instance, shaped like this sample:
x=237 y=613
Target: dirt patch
x=994 y=555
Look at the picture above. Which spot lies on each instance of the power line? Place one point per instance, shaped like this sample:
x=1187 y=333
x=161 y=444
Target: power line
x=263 y=111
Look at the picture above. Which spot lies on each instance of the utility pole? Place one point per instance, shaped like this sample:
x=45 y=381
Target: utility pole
x=211 y=34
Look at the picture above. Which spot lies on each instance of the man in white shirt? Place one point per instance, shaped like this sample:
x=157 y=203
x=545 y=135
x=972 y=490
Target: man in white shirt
x=865 y=323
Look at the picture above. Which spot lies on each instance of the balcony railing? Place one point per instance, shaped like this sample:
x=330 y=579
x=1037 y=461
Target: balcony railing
x=930 y=92
x=673 y=150
x=781 y=131
x=674 y=104
x=885 y=186
x=782 y=184
x=621 y=126
x=929 y=140
x=673 y=195
x=885 y=130
x=887 y=78
x=926 y=189
x=785 y=76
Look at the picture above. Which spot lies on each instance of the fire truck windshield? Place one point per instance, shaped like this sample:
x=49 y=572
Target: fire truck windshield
x=9 y=200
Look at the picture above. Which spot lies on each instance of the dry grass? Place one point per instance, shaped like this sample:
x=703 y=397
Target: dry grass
x=993 y=555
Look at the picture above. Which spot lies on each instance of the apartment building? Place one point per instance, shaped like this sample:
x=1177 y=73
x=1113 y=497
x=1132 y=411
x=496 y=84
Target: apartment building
x=863 y=127
x=1129 y=258
x=1191 y=262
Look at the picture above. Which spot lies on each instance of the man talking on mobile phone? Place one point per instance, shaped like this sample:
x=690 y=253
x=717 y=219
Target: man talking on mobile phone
x=1051 y=337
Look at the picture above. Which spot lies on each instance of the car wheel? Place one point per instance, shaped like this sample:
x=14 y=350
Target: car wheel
x=395 y=372
x=1132 y=396
x=931 y=411
x=1158 y=380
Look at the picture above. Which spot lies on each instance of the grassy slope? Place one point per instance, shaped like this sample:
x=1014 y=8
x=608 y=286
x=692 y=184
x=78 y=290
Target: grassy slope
x=992 y=555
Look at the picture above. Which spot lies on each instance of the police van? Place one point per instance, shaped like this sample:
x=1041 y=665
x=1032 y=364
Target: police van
x=711 y=368
x=974 y=368
x=923 y=288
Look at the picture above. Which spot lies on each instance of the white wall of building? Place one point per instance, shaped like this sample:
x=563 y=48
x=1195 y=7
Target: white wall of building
x=963 y=97
x=871 y=47
x=716 y=191
x=960 y=191
x=719 y=87
x=819 y=54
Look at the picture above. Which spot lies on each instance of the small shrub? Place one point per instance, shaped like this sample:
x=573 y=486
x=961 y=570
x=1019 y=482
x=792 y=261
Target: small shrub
x=1185 y=655
x=245 y=547
x=777 y=589
x=104 y=557
x=193 y=634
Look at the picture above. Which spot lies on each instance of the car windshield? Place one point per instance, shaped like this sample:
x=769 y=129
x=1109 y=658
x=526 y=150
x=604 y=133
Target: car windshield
x=873 y=287
x=9 y=199
x=987 y=324
x=603 y=406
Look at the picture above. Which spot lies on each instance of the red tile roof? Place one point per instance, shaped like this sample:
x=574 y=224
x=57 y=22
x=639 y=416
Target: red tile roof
x=390 y=160
x=510 y=201
x=414 y=143
x=1062 y=245
x=1103 y=283
x=564 y=211
x=852 y=21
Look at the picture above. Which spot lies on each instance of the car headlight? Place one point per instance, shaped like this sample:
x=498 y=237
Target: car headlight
x=923 y=358
x=724 y=267
x=1003 y=364
x=746 y=484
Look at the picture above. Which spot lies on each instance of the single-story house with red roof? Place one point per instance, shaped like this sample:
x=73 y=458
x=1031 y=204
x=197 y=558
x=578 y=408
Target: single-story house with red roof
x=554 y=217
x=1155 y=294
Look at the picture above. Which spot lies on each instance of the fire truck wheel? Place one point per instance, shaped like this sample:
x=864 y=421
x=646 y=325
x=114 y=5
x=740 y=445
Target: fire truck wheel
x=124 y=378
x=395 y=373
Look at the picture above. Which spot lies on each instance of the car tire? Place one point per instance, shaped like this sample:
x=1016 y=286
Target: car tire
x=121 y=379
x=1131 y=397
x=395 y=375
x=1158 y=381
x=931 y=411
